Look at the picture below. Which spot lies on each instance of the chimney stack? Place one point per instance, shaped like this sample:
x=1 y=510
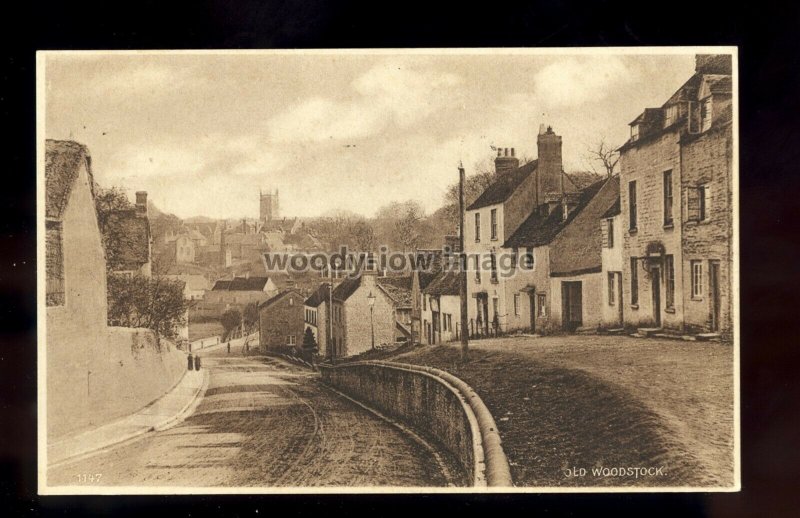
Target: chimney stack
x=506 y=161
x=549 y=167
x=141 y=203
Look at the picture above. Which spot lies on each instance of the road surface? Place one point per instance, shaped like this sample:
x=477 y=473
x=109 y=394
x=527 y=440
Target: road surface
x=263 y=422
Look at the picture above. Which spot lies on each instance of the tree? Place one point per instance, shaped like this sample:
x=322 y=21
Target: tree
x=474 y=186
x=309 y=342
x=605 y=156
x=250 y=316
x=155 y=303
x=230 y=320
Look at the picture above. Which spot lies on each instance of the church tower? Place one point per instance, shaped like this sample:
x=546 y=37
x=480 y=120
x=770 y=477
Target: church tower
x=268 y=206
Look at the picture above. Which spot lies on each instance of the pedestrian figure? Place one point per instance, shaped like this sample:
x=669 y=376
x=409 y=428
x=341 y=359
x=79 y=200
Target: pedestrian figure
x=189 y=364
x=197 y=363
x=229 y=347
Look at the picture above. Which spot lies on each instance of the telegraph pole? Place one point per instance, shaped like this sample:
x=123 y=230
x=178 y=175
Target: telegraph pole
x=462 y=265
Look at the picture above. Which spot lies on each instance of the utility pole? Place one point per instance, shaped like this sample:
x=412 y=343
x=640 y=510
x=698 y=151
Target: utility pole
x=330 y=318
x=462 y=265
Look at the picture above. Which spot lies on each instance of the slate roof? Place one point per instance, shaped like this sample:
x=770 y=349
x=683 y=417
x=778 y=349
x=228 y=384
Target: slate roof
x=319 y=296
x=504 y=186
x=248 y=283
x=446 y=283
x=539 y=229
x=346 y=288
x=127 y=239
x=398 y=288
x=612 y=211
x=63 y=159
x=221 y=285
x=434 y=267
x=241 y=284
x=578 y=247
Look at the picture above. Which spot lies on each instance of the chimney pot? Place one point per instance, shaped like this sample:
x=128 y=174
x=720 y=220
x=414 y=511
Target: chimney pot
x=512 y=151
x=541 y=129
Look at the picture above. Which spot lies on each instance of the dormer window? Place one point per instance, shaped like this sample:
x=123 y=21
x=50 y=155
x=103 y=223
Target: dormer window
x=705 y=114
x=635 y=132
x=670 y=115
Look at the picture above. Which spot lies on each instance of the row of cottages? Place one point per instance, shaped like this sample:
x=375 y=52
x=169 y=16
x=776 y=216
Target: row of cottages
x=236 y=293
x=362 y=309
x=547 y=220
x=281 y=320
x=75 y=282
x=441 y=309
x=675 y=222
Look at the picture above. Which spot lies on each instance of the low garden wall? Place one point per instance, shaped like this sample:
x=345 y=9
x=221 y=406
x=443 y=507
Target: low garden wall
x=436 y=405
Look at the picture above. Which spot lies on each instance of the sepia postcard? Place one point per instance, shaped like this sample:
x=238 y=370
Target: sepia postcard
x=382 y=271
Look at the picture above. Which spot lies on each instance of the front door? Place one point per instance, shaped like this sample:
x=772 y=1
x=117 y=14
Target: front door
x=532 y=300
x=655 y=276
x=572 y=305
x=713 y=286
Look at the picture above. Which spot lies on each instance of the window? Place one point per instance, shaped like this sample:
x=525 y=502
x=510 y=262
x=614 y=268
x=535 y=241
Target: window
x=516 y=304
x=477 y=269
x=424 y=303
x=705 y=114
x=291 y=340
x=611 y=291
x=449 y=322
x=529 y=257
x=704 y=197
x=635 y=132
x=668 y=197
x=697 y=279
x=540 y=304
x=634 y=282
x=291 y=301
x=610 y=231
x=632 y=204
x=477 y=227
x=671 y=115
x=493 y=258
x=54 y=260
x=494 y=223
x=495 y=312
x=669 y=280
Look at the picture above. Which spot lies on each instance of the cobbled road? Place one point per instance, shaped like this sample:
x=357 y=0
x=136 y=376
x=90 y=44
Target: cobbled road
x=264 y=423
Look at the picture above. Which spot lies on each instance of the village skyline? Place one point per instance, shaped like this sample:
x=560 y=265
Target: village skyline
x=269 y=120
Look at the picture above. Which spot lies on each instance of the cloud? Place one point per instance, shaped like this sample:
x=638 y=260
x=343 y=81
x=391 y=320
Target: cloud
x=572 y=82
x=385 y=94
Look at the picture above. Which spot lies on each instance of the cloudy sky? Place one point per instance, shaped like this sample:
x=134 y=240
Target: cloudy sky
x=202 y=133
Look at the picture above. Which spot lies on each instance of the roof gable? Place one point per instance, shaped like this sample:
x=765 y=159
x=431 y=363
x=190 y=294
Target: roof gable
x=577 y=248
x=319 y=296
x=276 y=298
x=503 y=186
x=540 y=229
x=63 y=161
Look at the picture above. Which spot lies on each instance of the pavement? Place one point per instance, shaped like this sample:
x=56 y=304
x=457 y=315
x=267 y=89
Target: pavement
x=166 y=411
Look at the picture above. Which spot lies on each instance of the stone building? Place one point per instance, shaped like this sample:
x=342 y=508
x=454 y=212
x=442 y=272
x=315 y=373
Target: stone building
x=612 y=260
x=281 y=322
x=441 y=309
x=236 y=293
x=75 y=284
x=316 y=316
x=676 y=202
x=353 y=323
x=536 y=194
